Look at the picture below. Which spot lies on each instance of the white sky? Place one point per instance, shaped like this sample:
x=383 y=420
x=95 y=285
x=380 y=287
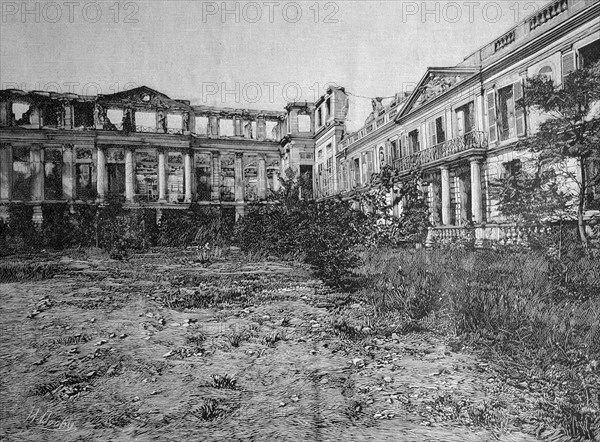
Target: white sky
x=189 y=50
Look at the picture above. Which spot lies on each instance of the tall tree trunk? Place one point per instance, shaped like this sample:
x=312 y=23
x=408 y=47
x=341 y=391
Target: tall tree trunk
x=581 y=204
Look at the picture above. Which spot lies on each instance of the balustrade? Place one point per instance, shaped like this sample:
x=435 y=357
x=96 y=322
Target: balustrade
x=472 y=140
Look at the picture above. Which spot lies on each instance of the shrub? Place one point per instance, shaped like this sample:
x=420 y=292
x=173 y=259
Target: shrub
x=322 y=234
x=195 y=227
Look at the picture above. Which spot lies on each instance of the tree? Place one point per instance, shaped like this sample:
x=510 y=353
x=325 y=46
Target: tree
x=570 y=133
x=412 y=224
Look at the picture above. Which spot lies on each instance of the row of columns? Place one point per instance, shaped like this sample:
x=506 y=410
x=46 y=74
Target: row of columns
x=102 y=176
x=188 y=121
x=213 y=128
x=476 y=193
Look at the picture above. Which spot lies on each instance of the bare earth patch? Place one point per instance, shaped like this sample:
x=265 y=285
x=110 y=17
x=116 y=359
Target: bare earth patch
x=162 y=347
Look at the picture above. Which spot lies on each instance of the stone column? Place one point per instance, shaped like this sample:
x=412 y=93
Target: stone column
x=5 y=172
x=68 y=172
x=216 y=176
x=68 y=122
x=238 y=130
x=36 y=116
x=434 y=188
x=37 y=172
x=6 y=117
x=476 y=195
x=192 y=123
x=480 y=110
x=239 y=212
x=36 y=156
x=187 y=163
x=395 y=204
x=129 y=176
x=162 y=176
x=101 y=174
x=213 y=125
x=261 y=128
x=262 y=178
x=446 y=206
x=276 y=183
x=239 y=177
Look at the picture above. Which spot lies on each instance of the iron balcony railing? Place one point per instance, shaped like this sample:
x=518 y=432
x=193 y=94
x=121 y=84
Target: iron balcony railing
x=471 y=140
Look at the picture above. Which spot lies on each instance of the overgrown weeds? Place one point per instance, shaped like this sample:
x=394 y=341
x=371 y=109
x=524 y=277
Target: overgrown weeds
x=27 y=271
x=224 y=382
x=537 y=309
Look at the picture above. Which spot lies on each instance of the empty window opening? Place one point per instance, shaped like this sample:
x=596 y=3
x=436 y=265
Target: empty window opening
x=226 y=128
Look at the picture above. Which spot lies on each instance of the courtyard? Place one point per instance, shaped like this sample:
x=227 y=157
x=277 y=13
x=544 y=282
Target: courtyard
x=169 y=346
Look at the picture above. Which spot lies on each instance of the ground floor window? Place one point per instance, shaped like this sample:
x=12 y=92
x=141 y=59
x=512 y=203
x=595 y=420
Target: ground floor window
x=251 y=180
x=203 y=176
x=146 y=175
x=306 y=171
x=115 y=168
x=176 y=178
x=53 y=163
x=85 y=174
x=273 y=175
x=228 y=178
x=21 y=174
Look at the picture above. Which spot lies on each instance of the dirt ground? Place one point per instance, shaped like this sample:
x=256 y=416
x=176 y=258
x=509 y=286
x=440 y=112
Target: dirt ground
x=164 y=347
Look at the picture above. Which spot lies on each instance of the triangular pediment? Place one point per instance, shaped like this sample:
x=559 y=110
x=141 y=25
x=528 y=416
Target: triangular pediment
x=436 y=82
x=144 y=96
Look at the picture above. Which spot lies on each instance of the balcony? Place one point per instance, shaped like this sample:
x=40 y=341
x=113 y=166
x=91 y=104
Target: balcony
x=471 y=141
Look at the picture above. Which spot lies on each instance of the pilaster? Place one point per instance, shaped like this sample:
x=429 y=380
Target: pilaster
x=446 y=206
x=129 y=176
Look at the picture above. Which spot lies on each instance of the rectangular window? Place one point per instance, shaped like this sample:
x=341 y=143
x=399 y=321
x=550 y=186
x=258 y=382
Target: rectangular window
x=115 y=167
x=367 y=167
x=569 y=63
x=491 y=114
x=203 y=176
x=329 y=175
x=356 y=172
x=53 y=114
x=440 y=125
x=590 y=54
x=520 y=120
x=512 y=168
x=511 y=114
x=228 y=178
x=21 y=183
x=506 y=112
x=320 y=180
x=53 y=174
x=250 y=178
x=85 y=171
x=395 y=152
x=307 y=189
x=413 y=141
x=83 y=114
x=175 y=177
x=146 y=175
x=437 y=133
x=465 y=119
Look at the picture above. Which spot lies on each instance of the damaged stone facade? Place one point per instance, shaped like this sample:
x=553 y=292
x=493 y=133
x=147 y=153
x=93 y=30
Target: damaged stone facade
x=138 y=145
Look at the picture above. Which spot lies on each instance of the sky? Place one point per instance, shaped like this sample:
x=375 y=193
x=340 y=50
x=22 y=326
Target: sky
x=246 y=54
